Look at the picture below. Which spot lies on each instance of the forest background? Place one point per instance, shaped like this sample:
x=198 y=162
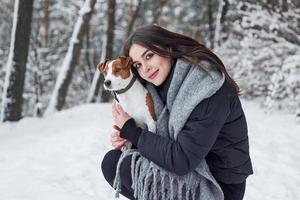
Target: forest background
x=49 y=49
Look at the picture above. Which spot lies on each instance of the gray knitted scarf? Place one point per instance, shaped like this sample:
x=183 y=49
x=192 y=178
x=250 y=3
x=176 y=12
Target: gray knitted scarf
x=188 y=87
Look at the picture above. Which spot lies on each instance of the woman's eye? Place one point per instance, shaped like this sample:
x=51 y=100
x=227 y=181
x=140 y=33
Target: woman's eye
x=137 y=65
x=149 y=55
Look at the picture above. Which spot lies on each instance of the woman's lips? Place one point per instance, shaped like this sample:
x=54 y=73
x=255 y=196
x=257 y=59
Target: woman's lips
x=152 y=76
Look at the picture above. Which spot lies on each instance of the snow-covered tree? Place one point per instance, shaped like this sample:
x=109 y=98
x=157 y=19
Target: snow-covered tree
x=257 y=40
x=108 y=53
x=70 y=61
x=12 y=98
x=262 y=50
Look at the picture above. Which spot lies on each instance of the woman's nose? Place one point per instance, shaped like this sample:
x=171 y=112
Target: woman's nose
x=147 y=68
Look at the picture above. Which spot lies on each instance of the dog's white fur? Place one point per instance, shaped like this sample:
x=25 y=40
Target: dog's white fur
x=133 y=101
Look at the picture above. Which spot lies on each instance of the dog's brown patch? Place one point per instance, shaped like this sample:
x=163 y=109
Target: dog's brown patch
x=118 y=69
x=150 y=105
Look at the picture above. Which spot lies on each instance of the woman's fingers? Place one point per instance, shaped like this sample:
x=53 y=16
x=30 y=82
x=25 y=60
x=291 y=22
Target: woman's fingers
x=116 y=128
x=115 y=111
x=118 y=108
x=119 y=145
x=114 y=134
x=116 y=139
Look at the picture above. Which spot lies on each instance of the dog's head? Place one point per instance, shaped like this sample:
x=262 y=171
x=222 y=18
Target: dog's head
x=117 y=73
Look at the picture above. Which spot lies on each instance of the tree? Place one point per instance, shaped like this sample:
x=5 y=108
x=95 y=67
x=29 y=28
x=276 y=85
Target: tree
x=108 y=53
x=220 y=18
x=133 y=16
x=12 y=100
x=262 y=51
x=158 y=10
x=46 y=21
x=65 y=75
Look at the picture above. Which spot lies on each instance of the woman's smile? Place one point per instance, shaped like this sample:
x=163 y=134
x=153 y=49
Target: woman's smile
x=153 y=75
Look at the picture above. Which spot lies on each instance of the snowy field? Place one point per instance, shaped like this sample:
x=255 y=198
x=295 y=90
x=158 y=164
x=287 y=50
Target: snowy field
x=58 y=157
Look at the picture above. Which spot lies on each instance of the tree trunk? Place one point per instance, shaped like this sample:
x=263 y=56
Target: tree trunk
x=11 y=109
x=218 y=27
x=46 y=22
x=97 y=79
x=133 y=17
x=88 y=69
x=110 y=28
x=105 y=95
x=71 y=59
x=210 y=24
x=157 y=12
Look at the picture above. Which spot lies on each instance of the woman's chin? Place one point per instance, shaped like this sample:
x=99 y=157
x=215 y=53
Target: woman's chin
x=156 y=82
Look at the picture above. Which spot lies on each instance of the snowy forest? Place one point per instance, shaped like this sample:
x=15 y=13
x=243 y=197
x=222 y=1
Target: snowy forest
x=49 y=49
x=55 y=116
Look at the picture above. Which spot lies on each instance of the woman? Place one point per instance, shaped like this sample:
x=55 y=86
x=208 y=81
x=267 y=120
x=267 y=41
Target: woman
x=201 y=148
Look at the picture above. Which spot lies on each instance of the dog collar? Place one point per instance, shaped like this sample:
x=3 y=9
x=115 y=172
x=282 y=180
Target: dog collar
x=115 y=92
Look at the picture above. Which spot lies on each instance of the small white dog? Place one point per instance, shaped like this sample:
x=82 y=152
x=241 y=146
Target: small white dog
x=128 y=91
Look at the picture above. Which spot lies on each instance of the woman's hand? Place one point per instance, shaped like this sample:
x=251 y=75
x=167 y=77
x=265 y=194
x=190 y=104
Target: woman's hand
x=116 y=141
x=119 y=115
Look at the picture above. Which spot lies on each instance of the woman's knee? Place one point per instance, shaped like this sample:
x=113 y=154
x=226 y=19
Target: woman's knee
x=125 y=172
x=109 y=164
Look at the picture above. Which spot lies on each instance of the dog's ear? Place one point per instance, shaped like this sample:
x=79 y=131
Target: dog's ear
x=126 y=61
x=102 y=66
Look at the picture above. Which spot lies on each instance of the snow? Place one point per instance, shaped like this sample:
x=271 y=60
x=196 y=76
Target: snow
x=86 y=8
x=10 y=63
x=59 y=156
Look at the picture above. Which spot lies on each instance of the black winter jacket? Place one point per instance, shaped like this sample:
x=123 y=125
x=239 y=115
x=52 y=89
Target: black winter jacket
x=216 y=131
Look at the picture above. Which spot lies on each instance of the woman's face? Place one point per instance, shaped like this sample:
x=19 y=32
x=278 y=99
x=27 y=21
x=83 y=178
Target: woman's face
x=150 y=66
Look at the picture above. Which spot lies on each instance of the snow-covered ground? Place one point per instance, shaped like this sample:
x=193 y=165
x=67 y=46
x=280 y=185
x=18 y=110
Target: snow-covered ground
x=59 y=156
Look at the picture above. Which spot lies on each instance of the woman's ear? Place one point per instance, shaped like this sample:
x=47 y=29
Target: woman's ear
x=101 y=66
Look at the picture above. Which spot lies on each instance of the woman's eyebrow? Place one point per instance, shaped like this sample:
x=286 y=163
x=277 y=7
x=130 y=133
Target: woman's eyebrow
x=142 y=55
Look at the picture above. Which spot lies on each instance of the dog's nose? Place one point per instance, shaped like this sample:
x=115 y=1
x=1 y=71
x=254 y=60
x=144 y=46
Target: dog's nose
x=107 y=83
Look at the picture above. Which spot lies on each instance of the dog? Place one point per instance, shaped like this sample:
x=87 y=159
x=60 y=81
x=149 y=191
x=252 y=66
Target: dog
x=129 y=92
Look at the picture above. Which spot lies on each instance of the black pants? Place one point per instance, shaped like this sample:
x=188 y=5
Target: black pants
x=109 y=164
x=233 y=191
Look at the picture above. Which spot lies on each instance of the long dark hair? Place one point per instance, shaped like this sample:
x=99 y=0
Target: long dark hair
x=169 y=44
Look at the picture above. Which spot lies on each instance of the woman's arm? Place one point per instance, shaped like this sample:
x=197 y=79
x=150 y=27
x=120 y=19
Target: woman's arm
x=193 y=142
x=181 y=156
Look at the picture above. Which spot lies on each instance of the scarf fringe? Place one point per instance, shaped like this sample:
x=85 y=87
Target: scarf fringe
x=150 y=182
